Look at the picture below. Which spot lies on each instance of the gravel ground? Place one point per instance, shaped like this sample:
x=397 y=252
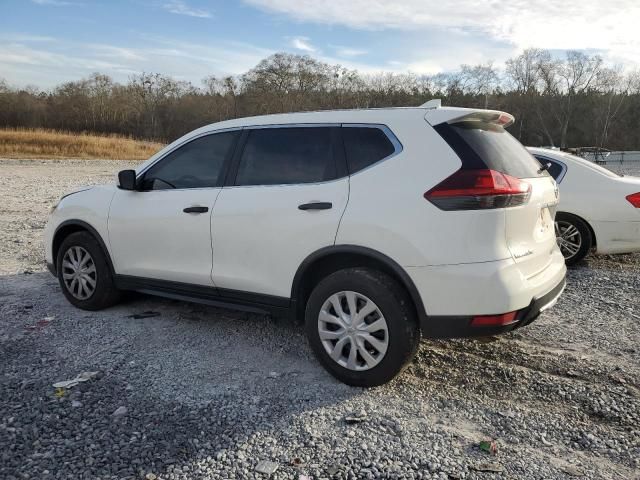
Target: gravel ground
x=198 y=392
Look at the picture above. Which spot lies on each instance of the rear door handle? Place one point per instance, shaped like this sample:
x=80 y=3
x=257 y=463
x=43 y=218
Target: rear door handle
x=196 y=210
x=315 y=206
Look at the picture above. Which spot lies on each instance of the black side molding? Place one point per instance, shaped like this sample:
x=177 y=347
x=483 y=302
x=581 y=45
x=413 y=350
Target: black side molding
x=80 y=225
x=233 y=299
x=326 y=252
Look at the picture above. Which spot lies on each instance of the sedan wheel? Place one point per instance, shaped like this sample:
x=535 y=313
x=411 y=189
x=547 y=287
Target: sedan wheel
x=573 y=236
x=568 y=238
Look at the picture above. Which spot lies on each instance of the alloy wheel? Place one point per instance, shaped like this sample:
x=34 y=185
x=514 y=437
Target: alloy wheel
x=569 y=238
x=79 y=272
x=353 y=330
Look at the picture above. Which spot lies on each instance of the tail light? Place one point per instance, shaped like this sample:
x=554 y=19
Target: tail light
x=479 y=190
x=634 y=199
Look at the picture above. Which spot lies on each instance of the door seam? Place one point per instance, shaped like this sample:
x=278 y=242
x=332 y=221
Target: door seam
x=213 y=208
x=335 y=238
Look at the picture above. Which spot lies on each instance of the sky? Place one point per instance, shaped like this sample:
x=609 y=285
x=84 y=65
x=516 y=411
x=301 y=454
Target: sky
x=47 y=42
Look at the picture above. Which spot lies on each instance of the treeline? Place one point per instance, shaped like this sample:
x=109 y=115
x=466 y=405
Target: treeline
x=572 y=101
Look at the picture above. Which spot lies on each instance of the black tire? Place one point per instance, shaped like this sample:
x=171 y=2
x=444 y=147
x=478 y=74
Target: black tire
x=583 y=235
x=395 y=305
x=105 y=293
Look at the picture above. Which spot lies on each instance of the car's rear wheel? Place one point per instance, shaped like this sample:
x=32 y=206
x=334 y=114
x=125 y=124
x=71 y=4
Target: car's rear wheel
x=362 y=326
x=84 y=273
x=573 y=237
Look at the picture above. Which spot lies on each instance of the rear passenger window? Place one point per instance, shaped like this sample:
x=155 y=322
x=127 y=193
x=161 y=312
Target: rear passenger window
x=365 y=146
x=280 y=156
x=554 y=170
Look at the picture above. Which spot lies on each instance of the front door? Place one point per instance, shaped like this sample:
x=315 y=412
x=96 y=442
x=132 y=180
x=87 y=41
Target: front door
x=163 y=231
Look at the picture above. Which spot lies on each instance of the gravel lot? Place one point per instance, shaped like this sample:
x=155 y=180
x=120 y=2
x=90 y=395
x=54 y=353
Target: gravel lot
x=210 y=393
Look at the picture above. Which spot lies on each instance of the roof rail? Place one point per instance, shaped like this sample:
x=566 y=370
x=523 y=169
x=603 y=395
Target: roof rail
x=431 y=104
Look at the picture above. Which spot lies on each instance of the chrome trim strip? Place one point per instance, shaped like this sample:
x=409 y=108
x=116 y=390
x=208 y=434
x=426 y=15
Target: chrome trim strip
x=291 y=125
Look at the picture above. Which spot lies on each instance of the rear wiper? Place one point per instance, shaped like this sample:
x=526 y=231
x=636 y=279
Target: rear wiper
x=544 y=167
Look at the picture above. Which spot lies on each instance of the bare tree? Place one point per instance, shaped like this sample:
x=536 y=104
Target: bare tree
x=524 y=72
x=572 y=100
x=479 y=80
x=615 y=88
x=577 y=75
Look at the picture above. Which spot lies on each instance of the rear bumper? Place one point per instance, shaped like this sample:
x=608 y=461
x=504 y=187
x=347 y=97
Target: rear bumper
x=486 y=288
x=453 y=294
x=460 y=326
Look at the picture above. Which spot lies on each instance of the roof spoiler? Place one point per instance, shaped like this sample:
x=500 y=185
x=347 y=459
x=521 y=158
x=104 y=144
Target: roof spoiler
x=431 y=104
x=451 y=115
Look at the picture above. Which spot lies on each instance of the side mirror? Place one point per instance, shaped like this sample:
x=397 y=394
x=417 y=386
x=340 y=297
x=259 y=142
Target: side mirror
x=127 y=179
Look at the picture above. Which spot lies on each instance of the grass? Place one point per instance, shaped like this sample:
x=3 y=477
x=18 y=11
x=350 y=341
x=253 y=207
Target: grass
x=40 y=143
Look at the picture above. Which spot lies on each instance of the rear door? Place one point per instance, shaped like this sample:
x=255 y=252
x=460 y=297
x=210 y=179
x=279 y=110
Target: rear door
x=284 y=200
x=483 y=143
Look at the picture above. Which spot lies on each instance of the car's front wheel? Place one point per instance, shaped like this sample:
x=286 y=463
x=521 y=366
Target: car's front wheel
x=84 y=273
x=573 y=237
x=362 y=326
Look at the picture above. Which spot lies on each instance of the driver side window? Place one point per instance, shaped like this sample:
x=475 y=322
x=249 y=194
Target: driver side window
x=197 y=164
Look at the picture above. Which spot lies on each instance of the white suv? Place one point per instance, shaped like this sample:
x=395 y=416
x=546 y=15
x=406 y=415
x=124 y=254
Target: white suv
x=375 y=226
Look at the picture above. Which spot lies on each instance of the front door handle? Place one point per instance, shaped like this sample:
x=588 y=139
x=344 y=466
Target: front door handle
x=196 y=210
x=315 y=206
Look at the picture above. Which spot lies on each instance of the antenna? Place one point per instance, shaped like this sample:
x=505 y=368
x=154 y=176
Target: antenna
x=432 y=104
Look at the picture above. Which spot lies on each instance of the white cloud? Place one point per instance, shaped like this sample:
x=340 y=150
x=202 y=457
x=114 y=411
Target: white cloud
x=424 y=67
x=19 y=37
x=51 y=63
x=110 y=51
x=53 y=3
x=180 y=7
x=609 y=26
x=303 y=44
x=342 y=51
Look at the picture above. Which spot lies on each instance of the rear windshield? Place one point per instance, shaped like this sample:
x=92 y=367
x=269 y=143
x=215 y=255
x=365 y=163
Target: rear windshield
x=483 y=145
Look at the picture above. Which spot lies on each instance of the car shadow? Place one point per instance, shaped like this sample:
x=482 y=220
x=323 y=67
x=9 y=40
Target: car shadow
x=199 y=384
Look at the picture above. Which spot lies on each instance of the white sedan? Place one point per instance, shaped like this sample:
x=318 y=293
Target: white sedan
x=598 y=209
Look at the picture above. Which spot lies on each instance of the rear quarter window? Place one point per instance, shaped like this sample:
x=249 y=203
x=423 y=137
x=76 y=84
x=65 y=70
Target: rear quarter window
x=482 y=145
x=365 y=146
x=556 y=169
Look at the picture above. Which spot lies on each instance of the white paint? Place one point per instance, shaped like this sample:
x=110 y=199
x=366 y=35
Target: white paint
x=254 y=238
x=599 y=197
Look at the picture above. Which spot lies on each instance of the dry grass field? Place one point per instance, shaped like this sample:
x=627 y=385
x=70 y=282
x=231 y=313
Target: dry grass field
x=39 y=143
